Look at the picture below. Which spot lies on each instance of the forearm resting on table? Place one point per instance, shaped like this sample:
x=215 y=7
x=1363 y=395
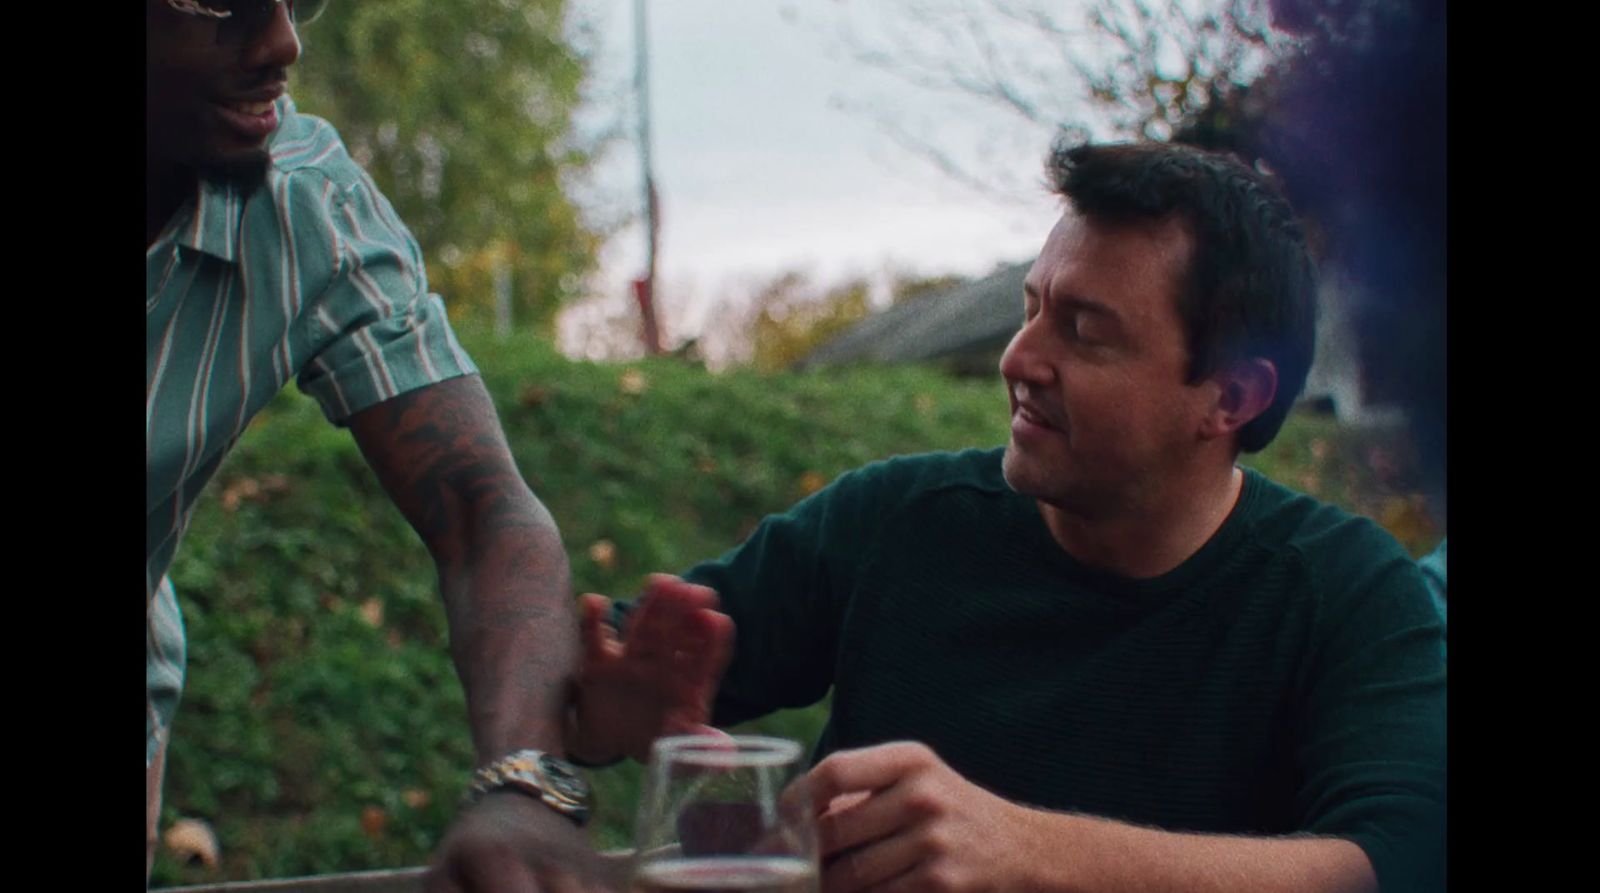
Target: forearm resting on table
x=1084 y=854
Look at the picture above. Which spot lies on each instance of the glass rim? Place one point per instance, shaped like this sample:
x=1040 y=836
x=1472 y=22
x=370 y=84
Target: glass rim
x=725 y=750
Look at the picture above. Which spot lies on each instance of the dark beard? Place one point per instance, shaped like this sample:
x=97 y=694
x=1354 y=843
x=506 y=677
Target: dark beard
x=244 y=173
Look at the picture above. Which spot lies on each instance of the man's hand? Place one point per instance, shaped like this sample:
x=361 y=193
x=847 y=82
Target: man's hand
x=508 y=842
x=896 y=818
x=658 y=680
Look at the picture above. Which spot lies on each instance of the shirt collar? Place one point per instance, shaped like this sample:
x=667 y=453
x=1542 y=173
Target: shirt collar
x=219 y=209
x=214 y=226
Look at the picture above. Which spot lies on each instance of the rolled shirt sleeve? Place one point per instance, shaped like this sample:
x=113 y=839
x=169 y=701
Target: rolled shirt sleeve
x=377 y=329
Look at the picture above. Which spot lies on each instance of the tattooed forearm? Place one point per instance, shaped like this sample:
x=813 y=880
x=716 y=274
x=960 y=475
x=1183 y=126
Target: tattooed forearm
x=440 y=454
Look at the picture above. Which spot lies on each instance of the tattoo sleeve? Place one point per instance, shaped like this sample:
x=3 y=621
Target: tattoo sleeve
x=441 y=455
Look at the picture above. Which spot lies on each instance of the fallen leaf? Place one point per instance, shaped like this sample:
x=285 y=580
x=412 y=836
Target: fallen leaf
x=603 y=553
x=239 y=490
x=193 y=839
x=1406 y=517
x=811 y=482
x=632 y=382
x=923 y=403
x=416 y=798
x=372 y=612
x=533 y=395
x=373 y=821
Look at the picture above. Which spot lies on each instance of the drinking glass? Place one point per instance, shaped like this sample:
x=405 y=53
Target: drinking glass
x=725 y=813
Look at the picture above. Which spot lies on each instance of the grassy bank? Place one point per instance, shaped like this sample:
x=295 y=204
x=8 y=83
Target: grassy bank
x=323 y=728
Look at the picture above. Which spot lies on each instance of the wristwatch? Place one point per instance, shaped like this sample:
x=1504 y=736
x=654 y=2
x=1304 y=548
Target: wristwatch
x=538 y=774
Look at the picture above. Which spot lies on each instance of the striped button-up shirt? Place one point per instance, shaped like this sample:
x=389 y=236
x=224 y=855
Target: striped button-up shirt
x=310 y=275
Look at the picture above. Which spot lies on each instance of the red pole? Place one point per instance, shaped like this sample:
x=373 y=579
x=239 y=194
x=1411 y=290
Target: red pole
x=647 y=315
x=644 y=289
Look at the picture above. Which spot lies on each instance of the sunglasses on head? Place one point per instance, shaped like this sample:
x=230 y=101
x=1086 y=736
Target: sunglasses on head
x=240 y=19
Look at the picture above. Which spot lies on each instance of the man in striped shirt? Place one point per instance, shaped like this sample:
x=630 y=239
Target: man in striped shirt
x=269 y=255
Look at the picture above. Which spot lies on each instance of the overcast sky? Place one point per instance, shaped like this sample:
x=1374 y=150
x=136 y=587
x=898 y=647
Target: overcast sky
x=759 y=172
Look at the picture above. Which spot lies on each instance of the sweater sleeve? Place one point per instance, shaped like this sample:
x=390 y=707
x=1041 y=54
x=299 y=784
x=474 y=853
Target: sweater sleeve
x=785 y=587
x=1372 y=742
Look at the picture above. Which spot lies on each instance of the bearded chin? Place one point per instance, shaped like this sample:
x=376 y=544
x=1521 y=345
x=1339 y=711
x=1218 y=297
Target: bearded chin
x=245 y=172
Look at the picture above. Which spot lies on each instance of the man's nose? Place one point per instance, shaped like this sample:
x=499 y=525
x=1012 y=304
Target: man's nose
x=277 y=46
x=1022 y=359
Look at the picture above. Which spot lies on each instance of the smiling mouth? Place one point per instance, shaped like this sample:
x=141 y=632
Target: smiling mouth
x=249 y=120
x=254 y=109
x=1028 y=415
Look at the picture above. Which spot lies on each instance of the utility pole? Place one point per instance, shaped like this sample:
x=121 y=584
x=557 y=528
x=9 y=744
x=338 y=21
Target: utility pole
x=644 y=289
x=502 y=296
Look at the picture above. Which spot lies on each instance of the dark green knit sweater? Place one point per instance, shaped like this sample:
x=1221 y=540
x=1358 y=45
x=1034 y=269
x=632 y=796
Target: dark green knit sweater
x=1287 y=678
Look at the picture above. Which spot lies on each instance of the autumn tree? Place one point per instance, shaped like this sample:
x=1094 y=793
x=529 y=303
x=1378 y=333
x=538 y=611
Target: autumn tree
x=911 y=287
x=462 y=111
x=789 y=317
x=782 y=320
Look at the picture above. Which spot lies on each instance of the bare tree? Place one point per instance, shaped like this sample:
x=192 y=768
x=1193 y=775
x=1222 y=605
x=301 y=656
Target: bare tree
x=1015 y=73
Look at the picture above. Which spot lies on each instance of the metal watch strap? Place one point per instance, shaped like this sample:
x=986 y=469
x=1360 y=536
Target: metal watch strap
x=538 y=774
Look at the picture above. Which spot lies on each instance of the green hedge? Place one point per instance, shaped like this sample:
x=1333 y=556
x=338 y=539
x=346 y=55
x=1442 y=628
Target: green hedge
x=323 y=728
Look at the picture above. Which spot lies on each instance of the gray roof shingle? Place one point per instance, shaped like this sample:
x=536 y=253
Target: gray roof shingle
x=969 y=318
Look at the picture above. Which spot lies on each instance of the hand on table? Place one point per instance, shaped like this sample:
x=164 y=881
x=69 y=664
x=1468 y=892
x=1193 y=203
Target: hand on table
x=895 y=818
x=508 y=842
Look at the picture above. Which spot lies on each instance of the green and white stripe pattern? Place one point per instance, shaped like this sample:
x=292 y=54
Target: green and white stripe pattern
x=310 y=276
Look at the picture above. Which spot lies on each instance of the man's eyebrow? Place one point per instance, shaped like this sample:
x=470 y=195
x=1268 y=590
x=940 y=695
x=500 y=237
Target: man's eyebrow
x=1071 y=302
x=1078 y=303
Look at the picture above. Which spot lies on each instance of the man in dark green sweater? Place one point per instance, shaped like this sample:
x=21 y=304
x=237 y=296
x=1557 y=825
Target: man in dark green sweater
x=1104 y=657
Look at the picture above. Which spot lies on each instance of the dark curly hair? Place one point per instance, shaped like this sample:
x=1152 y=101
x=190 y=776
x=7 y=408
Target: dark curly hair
x=1251 y=287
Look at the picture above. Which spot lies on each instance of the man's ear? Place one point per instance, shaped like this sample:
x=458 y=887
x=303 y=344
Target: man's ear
x=1244 y=391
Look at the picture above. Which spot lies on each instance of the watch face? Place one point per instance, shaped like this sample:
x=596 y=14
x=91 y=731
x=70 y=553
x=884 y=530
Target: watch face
x=562 y=779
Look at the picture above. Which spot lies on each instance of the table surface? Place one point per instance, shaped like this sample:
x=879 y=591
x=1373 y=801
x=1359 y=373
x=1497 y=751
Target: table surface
x=398 y=880
x=392 y=880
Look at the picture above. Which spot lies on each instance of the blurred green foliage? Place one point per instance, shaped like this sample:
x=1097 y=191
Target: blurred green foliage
x=323 y=728
x=462 y=111
x=791 y=320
